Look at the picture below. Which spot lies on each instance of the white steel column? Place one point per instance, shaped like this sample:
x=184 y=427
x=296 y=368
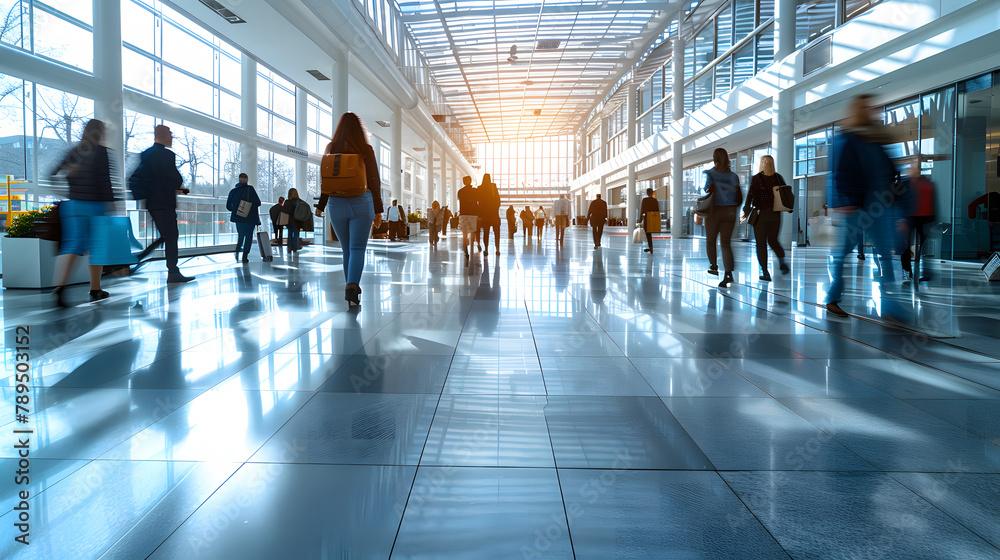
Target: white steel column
x=109 y=106
x=633 y=197
x=677 y=156
x=248 y=148
x=302 y=141
x=631 y=203
x=782 y=118
x=340 y=81
x=429 y=174
x=396 y=154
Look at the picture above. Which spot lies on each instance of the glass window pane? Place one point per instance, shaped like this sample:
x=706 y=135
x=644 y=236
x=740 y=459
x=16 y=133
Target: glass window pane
x=704 y=47
x=724 y=76
x=230 y=109
x=765 y=47
x=745 y=21
x=743 y=66
x=61 y=40
x=656 y=85
x=230 y=73
x=14 y=146
x=187 y=91
x=59 y=121
x=15 y=14
x=812 y=19
x=703 y=89
x=138 y=71
x=82 y=10
x=724 y=33
x=137 y=26
x=185 y=51
x=854 y=8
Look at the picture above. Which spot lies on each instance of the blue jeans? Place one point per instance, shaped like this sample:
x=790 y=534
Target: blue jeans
x=351 y=218
x=75 y=216
x=293 y=238
x=850 y=235
x=245 y=237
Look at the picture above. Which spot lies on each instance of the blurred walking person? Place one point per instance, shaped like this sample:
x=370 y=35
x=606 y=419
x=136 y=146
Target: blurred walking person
x=435 y=221
x=860 y=194
x=298 y=212
x=511 y=222
x=921 y=221
x=243 y=204
x=88 y=172
x=527 y=218
x=489 y=211
x=158 y=170
x=597 y=215
x=759 y=208
x=468 y=213
x=560 y=209
x=352 y=213
x=725 y=186
x=275 y=214
x=540 y=218
x=649 y=204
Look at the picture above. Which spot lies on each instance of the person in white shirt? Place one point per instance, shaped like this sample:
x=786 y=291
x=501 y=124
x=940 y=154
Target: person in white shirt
x=560 y=209
x=393 y=216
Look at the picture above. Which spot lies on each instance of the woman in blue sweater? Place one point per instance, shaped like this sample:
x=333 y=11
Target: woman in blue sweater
x=728 y=196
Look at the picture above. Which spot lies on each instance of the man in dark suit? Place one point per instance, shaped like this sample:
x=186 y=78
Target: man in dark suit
x=158 y=167
x=597 y=214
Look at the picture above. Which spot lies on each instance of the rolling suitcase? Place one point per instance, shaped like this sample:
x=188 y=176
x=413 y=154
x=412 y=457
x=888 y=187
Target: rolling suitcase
x=264 y=244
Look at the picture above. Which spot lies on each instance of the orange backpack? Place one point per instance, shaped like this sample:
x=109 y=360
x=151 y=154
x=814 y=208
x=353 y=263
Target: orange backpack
x=343 y=175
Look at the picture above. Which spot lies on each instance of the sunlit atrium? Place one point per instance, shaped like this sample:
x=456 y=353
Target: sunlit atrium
x=741 y=297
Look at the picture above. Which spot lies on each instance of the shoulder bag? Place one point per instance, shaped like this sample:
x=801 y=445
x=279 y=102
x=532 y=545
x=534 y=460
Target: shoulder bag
x=243 y=210
x=784 y=200
x=704 y=205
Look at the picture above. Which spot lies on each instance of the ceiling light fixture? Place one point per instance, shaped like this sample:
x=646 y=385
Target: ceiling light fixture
x=513 y=54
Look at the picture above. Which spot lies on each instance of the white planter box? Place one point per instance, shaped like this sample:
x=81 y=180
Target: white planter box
x=414 y=229
x=29 y=262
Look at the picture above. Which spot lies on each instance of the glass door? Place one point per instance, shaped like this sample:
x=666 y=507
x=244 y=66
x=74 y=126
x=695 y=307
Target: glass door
x=977 y=145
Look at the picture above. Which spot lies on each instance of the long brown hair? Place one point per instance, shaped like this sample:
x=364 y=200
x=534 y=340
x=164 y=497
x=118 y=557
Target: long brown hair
x=349 y=137
x=721 y=158
x=293 y=194
x=491 y=189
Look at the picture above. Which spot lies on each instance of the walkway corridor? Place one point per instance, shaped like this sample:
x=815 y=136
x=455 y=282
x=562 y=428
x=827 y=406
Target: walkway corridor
x=549 y=403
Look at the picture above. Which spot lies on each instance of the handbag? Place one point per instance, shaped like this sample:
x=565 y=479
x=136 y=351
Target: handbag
x=704 y=205
x=243 y=210
x=753 y=216
x=784 y=200
x=653 y=222
x=639 y=235
x=283 y=219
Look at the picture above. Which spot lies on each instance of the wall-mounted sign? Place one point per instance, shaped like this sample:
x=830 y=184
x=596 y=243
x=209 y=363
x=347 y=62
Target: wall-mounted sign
x=297 y=151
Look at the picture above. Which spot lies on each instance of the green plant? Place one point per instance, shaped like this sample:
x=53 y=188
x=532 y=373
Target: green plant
x=413 y=217
x=23 y=225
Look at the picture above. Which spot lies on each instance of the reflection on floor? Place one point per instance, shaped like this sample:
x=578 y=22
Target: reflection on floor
x=547 y=403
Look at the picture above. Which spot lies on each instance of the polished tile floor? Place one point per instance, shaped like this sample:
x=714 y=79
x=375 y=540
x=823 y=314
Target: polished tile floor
x=547 y=403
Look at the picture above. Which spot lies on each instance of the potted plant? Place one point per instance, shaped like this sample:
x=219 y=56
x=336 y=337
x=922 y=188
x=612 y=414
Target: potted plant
x=28 y=260
x=415 y=223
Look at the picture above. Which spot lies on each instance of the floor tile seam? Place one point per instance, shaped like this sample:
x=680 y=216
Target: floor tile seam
x=821 y=331
x=943 y=512
x=950 y=422
x=904 y=328
x=183 y=521
x=754 y=514
x=863 y=382
x=555 y=465
x=34 y=495
x=423 y=447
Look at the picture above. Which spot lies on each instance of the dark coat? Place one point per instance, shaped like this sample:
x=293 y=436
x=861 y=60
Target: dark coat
x=598 y=212
x=239 y=192
x=289 y=208
x=89 y=175
x=861 y=171
x=760 y=195
x=163 y=178
x=511 y=214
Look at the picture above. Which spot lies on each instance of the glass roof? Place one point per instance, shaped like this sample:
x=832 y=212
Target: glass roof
x=526 y=69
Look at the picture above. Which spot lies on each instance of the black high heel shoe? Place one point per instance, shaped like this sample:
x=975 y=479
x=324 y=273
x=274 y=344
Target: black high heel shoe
x=353 y=296
x=727 y=280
